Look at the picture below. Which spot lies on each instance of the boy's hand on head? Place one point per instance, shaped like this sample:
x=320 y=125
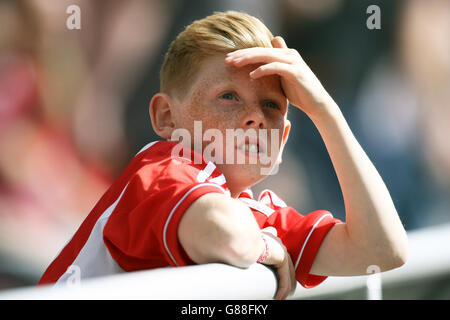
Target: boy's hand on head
x=302 y=88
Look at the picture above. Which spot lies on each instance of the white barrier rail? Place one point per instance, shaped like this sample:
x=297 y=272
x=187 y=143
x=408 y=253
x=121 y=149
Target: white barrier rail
x=206 y=282
x=429 y=255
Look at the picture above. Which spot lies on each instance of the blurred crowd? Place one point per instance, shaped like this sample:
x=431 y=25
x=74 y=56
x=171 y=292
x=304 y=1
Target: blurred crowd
x=74 y=106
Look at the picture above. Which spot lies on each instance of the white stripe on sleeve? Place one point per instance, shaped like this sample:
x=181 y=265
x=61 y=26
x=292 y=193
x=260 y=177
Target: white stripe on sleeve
x=175 y=208
x=309 y=235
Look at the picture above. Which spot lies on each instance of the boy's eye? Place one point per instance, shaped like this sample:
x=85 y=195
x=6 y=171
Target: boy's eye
x=271 y=105
x=228 y=96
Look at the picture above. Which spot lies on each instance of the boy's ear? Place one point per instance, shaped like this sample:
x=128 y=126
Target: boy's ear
x=161 y=115
x=287 y=129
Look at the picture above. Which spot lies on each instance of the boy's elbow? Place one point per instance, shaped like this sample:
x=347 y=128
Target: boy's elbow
x=395 y=255
x=395 y=261
x=401 y=255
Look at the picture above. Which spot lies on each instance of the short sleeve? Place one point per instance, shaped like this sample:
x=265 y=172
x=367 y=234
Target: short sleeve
x=302 y=235
x=141 y=233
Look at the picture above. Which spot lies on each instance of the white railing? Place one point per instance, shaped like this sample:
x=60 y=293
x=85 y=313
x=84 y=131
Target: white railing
x=206 y=282
x=429 y=255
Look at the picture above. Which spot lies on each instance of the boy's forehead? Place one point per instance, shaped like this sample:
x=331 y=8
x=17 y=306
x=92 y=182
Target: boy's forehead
x=214 y=71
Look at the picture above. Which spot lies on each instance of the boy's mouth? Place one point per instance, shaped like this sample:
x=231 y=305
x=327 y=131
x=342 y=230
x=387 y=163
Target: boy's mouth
x=251 y=146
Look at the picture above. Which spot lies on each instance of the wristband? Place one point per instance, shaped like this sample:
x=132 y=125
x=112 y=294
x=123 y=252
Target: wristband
x=266 y=251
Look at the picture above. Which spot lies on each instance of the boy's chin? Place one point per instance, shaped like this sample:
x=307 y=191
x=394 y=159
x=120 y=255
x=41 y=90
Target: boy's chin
x=244 y=175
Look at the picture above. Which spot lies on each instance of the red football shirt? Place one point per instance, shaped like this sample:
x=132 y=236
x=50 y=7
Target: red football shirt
x=134 y=225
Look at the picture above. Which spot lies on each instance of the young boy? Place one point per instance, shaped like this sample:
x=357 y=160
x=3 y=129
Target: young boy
x=227 y=73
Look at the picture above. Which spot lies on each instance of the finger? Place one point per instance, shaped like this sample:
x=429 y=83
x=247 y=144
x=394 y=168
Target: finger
x=293 y=279
x=287 y=288
x=284 y=286
x=255 y=55
x=278 y=68
x=278 y=42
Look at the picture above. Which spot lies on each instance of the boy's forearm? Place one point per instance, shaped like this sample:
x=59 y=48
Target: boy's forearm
x=216 y=228
x=371 y=218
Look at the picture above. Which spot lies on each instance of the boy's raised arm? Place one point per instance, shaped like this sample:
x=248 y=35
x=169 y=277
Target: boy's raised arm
x=373 y=233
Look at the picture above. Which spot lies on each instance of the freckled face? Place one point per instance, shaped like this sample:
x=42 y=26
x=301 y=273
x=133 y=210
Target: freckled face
x=225 y=97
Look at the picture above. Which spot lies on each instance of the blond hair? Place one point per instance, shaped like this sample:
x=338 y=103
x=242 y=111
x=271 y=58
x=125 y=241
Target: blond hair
x=221 y=32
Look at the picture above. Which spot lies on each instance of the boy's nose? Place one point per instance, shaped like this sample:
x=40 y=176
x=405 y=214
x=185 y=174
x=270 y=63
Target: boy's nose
x=254 y=118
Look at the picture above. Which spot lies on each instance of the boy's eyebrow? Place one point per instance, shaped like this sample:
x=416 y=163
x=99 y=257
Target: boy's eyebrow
x=225 y=78
x=226 y=81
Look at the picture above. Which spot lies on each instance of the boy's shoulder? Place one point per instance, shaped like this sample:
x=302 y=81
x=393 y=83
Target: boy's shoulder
x=172 y=163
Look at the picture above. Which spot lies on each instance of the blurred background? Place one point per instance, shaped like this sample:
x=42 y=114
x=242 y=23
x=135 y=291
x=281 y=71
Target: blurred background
x=74 y=107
